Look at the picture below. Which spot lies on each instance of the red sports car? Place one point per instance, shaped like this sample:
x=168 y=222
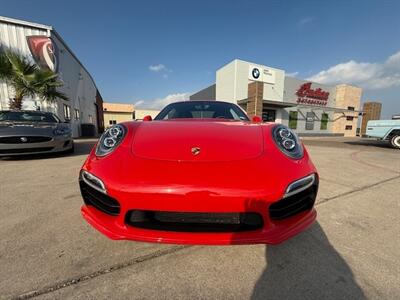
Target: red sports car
x=200 y=173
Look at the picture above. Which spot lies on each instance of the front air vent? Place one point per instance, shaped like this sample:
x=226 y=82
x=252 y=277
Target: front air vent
x=99 y=200
x=294 y=204
x=24 y=139
x=194 y=221
x=25 y=150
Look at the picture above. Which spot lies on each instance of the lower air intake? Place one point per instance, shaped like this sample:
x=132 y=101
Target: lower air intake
x=99 y=200
x=292 y=205
x=194 y=221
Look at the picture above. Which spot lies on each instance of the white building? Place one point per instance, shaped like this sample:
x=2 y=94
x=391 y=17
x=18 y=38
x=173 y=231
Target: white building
x=307 y=107
x=45 y=46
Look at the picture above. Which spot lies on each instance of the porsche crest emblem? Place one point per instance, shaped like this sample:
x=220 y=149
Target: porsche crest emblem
x=195 y=150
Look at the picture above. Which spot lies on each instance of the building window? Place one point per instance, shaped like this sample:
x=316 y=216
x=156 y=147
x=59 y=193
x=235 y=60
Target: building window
x=310 y=121
x=350 y=107
x=268 y=115
x=349 y=127
x=67 y=112
x=112 y=122
x=76 y=114
x=90 y=119
x=293 y=119
x=324 y=121
x=349 y=118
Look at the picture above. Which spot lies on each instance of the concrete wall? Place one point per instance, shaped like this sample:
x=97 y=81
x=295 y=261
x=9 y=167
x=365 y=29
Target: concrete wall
x=205 y=94
x=232 y=82
x=226 y=83
x=291 y=86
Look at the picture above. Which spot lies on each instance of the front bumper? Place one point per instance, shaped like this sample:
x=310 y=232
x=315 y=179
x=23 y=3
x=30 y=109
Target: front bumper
x=281 y=219
x=53 y=145
x=279 y=232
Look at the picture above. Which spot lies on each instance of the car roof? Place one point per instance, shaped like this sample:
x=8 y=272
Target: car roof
x=217 y=101
x=36 y=111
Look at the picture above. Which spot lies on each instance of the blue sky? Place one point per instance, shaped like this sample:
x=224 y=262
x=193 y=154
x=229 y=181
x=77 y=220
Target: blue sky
x=186 y=41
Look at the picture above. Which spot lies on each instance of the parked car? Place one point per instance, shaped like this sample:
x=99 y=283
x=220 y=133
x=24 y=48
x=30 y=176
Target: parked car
x=200 y=173
x=29 y=132
x=387 y=130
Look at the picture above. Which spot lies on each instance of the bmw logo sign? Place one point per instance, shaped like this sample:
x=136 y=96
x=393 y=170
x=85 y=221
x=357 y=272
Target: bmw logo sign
x=255 y=73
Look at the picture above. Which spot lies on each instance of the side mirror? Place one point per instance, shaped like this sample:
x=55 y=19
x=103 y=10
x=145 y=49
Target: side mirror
x=147 y=118
x=256 y=119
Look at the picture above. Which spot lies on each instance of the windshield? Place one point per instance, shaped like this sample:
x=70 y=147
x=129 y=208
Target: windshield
x=202 y=110
x=28 y=116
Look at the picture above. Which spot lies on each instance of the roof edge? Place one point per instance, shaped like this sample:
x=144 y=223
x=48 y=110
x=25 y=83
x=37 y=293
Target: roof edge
x=26 y=23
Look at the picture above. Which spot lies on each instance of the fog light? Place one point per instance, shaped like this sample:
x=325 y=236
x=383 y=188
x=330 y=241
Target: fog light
x=93 y=181
x=299 y=185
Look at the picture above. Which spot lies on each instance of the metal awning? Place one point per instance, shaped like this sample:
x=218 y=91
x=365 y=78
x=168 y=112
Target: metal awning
x=278 y=104
x=327 y=108
x=281 y=104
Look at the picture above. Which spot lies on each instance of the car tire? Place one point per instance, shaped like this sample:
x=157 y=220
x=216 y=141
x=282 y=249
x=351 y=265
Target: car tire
x=395 y=141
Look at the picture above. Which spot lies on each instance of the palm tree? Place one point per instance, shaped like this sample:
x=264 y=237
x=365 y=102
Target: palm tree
x=46 y=83
x=27 y=79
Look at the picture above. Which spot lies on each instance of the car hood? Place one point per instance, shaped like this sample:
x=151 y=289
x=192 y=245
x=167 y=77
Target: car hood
x=27 y=128
x=214 y=140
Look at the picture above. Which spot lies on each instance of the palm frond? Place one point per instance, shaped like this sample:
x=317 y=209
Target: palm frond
x=21 y=65
x=27 y=79
x=51 y=94
x=5 y=67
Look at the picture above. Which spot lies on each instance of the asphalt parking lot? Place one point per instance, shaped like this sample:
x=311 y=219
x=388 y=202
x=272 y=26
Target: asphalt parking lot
x=48 y=251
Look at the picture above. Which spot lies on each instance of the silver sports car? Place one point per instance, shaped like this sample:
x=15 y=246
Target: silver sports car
x=28 y=132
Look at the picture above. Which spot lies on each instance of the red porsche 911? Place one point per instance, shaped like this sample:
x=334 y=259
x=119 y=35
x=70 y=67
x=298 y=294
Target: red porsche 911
x=200 y=173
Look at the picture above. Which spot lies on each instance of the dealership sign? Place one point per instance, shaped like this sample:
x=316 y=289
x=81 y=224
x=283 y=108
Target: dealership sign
x=307 y=95
x=262 y=74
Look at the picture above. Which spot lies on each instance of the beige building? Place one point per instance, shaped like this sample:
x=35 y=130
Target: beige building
x=139 y=114
x=117 y=112
x=348 y=99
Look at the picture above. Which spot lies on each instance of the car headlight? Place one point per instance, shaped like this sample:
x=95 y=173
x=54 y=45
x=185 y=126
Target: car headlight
x=62 y=131
x=287 y=141
x=110 y=139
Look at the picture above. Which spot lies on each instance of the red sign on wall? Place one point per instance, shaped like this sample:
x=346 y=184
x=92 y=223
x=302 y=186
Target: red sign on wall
x=306 y=95
x=44 y=51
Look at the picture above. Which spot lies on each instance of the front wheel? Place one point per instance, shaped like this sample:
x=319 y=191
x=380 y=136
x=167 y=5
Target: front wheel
x=395 y=141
